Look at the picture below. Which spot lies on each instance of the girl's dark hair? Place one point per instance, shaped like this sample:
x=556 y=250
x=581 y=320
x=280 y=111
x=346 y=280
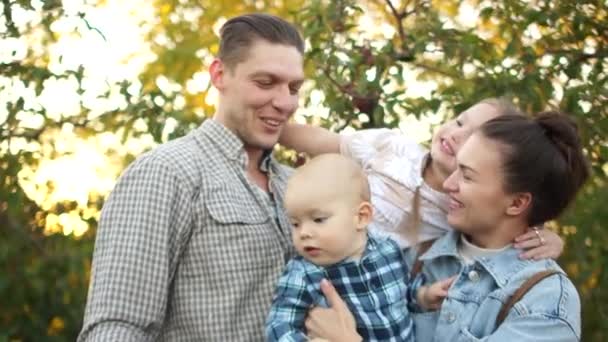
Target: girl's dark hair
x=542 y=156
x=238 y=34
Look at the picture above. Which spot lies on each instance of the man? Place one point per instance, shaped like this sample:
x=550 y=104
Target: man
x=193 y=238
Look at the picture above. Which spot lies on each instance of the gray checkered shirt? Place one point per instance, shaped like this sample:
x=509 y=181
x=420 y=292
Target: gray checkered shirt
x=188 y=249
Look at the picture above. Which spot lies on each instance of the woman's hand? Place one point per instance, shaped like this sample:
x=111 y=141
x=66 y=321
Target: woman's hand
x=539 y=243
x=334 y=324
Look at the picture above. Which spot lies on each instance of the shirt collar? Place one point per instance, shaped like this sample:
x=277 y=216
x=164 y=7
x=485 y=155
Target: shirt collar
x=501 y=266
x=230 y=145
x=370 y=246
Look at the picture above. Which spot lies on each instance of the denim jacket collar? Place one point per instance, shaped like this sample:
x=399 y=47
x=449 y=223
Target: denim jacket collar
x=501 y=266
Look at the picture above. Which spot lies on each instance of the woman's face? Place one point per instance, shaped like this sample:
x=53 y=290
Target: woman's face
x=450 y=136
x=478 y=202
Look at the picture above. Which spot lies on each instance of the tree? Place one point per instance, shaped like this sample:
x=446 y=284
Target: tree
x=362 y=56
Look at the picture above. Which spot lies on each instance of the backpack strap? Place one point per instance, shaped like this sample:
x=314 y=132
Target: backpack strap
x=520 y=292
x=422 y=248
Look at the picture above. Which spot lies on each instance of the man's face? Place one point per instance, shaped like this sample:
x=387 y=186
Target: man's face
x=259 y=95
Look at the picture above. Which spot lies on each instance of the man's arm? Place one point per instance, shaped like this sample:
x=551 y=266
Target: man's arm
x=135 y=253
x=312 y=140
x=292 y=301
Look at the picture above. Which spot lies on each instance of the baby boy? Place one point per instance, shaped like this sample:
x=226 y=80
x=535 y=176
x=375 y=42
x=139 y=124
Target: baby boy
x=328 y=203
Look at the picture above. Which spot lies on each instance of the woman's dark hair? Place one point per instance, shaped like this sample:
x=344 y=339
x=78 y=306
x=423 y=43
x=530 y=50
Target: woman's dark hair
x=542 y=156
x=238 y=34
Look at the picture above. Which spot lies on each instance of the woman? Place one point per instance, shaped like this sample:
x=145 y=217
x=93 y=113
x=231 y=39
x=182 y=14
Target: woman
x=409 y=202
x=513 y=173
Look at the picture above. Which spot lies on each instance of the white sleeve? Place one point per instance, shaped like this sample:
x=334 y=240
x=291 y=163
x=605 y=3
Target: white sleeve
x=366 y=144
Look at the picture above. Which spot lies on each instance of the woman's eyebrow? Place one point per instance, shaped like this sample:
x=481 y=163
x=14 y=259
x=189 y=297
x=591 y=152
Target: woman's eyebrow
x=466 y=168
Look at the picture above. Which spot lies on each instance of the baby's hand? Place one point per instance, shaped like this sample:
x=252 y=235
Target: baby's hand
x=430 y=297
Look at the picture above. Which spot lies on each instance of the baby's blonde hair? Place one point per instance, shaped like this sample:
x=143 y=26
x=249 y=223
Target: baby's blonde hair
x=338 y=171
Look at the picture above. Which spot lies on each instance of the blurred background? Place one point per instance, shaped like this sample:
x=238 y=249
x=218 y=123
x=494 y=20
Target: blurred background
x=88 y=85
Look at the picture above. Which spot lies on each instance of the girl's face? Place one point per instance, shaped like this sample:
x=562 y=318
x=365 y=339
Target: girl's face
x=450 y=136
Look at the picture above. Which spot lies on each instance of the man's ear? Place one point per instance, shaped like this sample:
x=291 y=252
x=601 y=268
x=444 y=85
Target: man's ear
x=364 y=215
x=216 y=72
x=520 y=202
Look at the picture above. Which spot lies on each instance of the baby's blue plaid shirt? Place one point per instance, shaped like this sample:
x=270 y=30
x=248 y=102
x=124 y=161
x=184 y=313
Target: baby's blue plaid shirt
x=374 y=288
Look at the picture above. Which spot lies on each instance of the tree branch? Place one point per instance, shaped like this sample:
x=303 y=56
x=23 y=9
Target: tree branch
x=10 y=24
x=399 y=19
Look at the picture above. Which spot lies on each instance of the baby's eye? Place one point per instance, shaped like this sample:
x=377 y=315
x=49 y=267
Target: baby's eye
x=295 y=224
x=319 y=219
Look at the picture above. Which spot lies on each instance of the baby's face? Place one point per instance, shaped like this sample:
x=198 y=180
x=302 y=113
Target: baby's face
x=325 y=224
x=324 y=232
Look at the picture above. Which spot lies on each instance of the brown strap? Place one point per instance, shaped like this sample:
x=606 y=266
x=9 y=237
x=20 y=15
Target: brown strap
x=422 y=248
x=521 y=291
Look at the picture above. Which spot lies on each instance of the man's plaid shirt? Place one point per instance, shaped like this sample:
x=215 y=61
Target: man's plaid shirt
x=188 y=249
x=374 y=288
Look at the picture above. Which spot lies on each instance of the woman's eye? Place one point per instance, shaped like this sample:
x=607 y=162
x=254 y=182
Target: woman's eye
x=459 y=122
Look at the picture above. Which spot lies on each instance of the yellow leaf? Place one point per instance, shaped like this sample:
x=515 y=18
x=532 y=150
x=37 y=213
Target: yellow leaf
x=55 y=326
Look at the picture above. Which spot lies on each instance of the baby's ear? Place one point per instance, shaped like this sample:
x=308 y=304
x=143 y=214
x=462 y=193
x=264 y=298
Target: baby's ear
x=364 y=215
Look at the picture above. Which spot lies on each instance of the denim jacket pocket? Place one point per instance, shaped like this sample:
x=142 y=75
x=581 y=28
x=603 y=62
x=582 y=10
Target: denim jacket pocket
x=466 y=336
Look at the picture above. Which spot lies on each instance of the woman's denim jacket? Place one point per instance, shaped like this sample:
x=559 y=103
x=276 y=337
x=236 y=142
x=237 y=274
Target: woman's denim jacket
x=550 y=311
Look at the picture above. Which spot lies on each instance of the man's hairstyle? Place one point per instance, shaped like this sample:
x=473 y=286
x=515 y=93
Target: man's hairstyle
x=238 y=34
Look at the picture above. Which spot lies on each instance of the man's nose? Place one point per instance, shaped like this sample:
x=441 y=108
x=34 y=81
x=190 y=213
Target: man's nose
x=285 y=101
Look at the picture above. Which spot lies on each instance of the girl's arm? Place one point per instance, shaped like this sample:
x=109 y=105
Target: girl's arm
x=539 y=244
x=312 y=140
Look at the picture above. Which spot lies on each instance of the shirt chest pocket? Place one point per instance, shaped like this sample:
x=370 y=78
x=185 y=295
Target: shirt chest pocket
x=231 y=208
x=233 y=232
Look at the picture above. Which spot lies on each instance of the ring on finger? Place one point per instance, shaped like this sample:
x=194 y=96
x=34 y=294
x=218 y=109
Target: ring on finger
x=541 y=240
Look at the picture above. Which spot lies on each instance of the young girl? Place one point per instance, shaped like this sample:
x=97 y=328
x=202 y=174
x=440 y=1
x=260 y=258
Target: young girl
x=406 y=180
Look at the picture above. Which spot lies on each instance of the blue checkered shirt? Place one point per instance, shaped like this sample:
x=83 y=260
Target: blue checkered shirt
x=374 y=289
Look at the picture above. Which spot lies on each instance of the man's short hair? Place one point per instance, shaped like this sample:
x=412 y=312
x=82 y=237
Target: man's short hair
x=239 y=33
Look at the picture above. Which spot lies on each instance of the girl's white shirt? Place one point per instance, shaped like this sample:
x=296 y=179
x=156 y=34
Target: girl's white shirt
x=394 y=165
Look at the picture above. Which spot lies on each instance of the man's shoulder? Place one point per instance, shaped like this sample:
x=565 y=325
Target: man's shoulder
x=184 y=156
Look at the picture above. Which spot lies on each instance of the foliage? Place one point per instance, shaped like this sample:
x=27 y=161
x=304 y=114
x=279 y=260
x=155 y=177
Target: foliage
x=362 y=55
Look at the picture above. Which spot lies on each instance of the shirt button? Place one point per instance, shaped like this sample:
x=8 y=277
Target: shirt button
x=474 y=276
x=450 y=317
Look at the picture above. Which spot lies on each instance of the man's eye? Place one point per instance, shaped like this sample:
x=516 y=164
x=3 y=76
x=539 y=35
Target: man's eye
x=294 y=90
x=264 y=83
